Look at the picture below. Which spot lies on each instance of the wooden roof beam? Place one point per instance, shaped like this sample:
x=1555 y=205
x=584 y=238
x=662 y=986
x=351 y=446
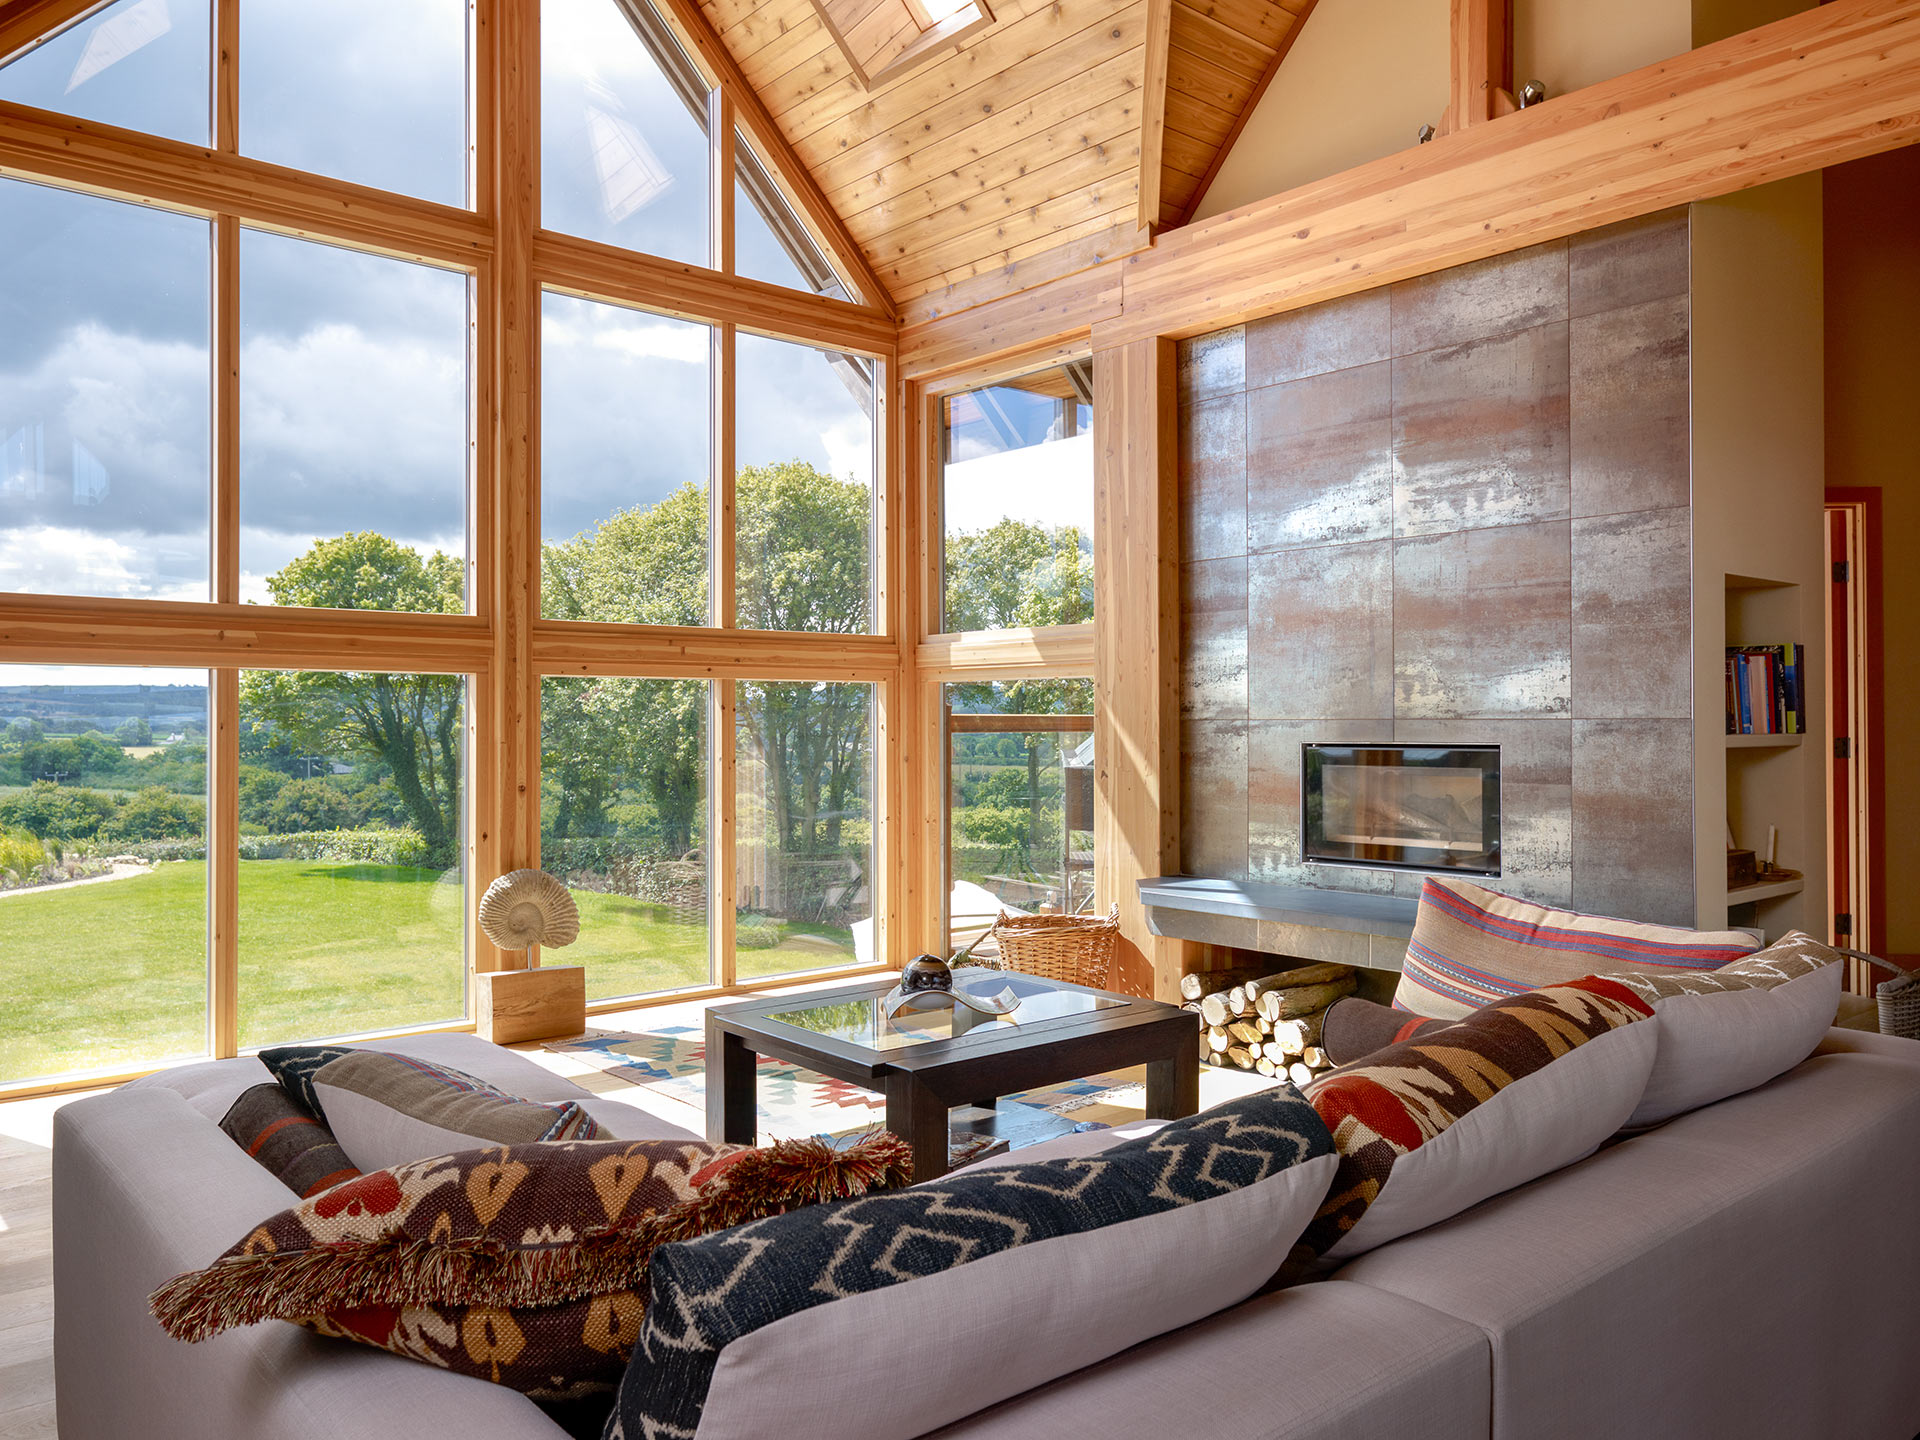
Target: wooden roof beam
x=1827 y=85
x=1479 y=63
x=1153 y=109
x=28 y=24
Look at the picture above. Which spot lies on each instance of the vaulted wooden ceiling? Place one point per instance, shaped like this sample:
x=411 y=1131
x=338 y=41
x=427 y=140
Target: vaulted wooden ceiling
x=1023 y=140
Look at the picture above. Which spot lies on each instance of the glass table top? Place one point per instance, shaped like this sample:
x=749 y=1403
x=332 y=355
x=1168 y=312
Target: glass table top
x=864 y=1021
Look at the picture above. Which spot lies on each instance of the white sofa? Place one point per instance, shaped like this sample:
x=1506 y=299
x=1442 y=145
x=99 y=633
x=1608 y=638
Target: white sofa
x=1749 y=1270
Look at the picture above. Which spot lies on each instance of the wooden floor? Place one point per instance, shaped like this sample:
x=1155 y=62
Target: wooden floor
x=26 y=1210
x=26 y=1269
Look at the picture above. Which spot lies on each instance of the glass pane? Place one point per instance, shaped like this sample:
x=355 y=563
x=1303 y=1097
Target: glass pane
x=1018 y=502
x=803 y=797
x=365 y=90
x=353 y=429
x=623 y=133
x=1020 y=818
x=623 y=820
x=105 y=397
x=353 y=895
x=140 y=64
x=867 y=1023
x=624 y=445
x=803 y=498
x=769 y=242
x=103 y=778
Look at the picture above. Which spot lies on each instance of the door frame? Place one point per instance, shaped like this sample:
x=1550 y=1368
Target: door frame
x=1864 y=503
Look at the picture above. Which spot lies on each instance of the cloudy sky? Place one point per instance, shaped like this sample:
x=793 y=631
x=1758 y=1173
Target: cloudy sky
x=354 y=368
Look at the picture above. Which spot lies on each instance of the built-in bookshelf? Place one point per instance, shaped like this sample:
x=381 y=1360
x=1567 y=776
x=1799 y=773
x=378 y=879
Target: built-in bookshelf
x=1766 y=771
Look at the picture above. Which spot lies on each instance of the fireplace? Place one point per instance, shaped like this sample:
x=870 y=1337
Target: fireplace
x=1402 y=807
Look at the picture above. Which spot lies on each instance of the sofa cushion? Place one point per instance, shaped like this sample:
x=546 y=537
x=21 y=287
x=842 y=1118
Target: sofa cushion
x=389 y=1109
x=524 y=1265
x=292 y=1142
x=1471 y=946
x=1437 y=1123
x=1682 y=1257
x=984 y=1284
x=1725 y=1031
x=1314 y=1362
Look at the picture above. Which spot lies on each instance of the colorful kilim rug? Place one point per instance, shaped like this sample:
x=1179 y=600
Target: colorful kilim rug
x=794 y=1102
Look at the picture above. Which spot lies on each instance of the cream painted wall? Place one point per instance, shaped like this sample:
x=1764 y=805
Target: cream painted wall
x=1566 y=44
x=1872 y=377
x=1758 y=497
x=1361 y=80
x=1366 y=74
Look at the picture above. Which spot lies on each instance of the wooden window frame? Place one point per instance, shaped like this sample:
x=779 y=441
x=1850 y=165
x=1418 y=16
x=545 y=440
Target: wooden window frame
x=502 y=644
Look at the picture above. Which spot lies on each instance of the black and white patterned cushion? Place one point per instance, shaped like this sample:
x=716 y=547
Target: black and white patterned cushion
x=710 y=1293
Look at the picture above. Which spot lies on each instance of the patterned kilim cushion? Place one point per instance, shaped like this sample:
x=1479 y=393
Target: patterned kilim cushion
x=900 y=1266
x=288 y=1139
x=524 y=1265
x=1725 y=1031
x=1472 y=946
x=1435 y=1124
x=388 y=1109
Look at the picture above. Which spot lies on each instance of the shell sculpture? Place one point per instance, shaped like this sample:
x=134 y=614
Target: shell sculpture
x=524 y=908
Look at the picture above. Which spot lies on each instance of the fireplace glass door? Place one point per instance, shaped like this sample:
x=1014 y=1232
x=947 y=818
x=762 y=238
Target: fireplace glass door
x=1402 y=807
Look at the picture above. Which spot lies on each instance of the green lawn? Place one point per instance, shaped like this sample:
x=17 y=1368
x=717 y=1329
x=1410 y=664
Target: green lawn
x=115 y=973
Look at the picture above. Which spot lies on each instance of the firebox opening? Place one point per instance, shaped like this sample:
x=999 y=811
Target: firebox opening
x=1402 y=807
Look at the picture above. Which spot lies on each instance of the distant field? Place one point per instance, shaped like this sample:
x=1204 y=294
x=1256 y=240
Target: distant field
x=115 y=973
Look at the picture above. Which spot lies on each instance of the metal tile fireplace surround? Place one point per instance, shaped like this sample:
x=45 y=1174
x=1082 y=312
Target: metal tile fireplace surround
x=1401 y=807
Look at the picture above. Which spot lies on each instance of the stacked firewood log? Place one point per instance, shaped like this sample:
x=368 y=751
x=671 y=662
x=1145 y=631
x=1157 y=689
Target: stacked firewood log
x=1267 y=1023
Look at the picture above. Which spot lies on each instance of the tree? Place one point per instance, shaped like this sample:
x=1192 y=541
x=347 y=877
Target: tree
x=135 y=731
x=156 y=814
x=410 y=724
x=307 y=805
x=803 y=563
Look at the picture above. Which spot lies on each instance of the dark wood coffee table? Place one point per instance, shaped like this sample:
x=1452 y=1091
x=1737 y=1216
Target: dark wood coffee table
x=928 y=1061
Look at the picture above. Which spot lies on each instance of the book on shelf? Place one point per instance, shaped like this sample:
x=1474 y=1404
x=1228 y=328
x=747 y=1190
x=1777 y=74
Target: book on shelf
x=1765 y=693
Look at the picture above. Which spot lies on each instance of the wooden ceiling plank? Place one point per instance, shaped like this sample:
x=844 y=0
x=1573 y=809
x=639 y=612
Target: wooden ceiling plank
x=1195 y=117
x=1225 y=46
x=1260 y=20
x=772 y=144
x=1082 y=213
x=1189 y=153
x=1153 y=109
x=1029 y=277
x=1818 y=88
x=1220 y=87
x=970 y=185
x=794 y=46
x=1055 y=110
x=1085 y=166
x=1246 y=113
x=983 y=60
x=845 y=154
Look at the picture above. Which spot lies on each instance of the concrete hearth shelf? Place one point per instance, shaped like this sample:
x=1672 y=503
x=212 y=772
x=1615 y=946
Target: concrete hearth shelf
x=1338 y=925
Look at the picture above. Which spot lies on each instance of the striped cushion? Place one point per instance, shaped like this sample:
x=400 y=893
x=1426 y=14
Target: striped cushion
x=1472 y=947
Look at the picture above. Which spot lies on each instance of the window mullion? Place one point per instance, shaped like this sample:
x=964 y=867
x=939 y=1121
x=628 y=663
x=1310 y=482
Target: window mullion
x=223 y=867
x=722 y=854
x=226 y=76
x=720 y=187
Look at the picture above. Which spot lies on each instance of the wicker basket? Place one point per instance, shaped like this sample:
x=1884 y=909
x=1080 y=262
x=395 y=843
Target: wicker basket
x=1075 y=948
x=1898 y=998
